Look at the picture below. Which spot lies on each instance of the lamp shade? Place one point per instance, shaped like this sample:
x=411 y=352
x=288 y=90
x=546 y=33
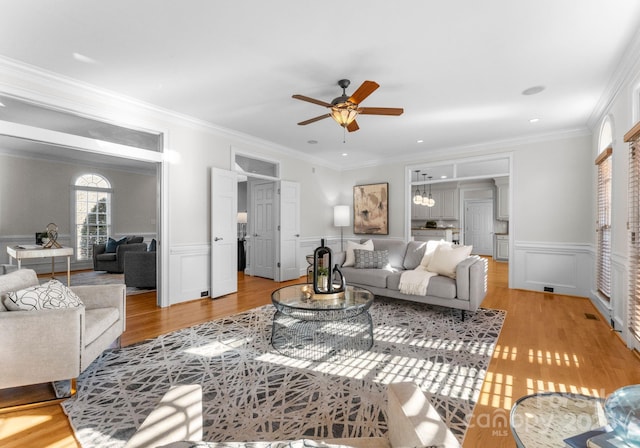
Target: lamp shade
x=344 y=116
x=242 y=217
x=341 y=215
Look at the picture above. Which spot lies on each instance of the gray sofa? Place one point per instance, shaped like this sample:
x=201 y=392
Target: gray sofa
x=56 y=344
x=140 y=269
x=465 y=292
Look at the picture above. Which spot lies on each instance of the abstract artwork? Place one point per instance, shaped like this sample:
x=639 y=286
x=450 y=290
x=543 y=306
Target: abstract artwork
x=371 y=209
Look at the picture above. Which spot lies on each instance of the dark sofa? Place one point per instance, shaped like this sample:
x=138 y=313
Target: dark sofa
x=113 y=262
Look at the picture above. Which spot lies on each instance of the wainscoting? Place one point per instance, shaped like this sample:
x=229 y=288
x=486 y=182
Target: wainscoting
x=567 y=268
x=189 y=268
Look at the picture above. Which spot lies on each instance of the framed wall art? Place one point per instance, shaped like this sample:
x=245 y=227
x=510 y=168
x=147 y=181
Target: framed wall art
x=371 y=209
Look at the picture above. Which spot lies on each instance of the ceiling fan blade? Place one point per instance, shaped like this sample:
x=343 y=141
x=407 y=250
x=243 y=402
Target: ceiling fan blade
x=311 y=100
x=366 y=89
x=353 y=126
x=313 y=120
x=380 y=110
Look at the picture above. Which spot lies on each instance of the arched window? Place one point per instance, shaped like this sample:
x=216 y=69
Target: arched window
x=92 y=218
x=603 y=165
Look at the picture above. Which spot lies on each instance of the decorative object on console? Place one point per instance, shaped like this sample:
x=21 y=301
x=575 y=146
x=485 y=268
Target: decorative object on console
x=371 y=209
x=52 y=234
x=341 y=219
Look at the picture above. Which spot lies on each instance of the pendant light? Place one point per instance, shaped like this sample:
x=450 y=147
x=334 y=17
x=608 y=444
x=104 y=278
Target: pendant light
x=417 y=197
x=430 y=201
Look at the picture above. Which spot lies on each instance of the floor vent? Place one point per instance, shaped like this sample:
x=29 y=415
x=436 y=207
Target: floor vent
x=590 y=316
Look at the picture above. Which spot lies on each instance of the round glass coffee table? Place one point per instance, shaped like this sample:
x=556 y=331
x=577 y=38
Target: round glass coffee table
x=545 y=419
x=320 y=326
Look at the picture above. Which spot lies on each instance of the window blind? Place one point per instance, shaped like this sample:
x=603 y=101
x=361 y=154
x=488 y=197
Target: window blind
x=633 y=137
x=603 y=226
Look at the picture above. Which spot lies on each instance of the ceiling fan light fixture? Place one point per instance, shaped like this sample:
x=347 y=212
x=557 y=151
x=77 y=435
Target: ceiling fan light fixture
x=344 y=113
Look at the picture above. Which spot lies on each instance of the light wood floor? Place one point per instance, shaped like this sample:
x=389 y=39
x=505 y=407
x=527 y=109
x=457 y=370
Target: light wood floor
x=546 y=344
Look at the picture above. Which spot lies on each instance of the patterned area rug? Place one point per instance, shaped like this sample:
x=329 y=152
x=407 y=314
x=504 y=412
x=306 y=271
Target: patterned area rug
x=100 y=278
x=253 y=393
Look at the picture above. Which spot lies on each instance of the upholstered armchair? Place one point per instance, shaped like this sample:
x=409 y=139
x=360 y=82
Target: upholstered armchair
x=113 y=261
x=43 y=345
x=140 y=269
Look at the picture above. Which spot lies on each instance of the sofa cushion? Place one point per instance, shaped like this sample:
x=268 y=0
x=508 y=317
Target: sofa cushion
x=152 y=245
x=112 y=245
x=135 y=239
x=396 y=249
x=446 y=258
x=442 y=287
x=367 y=277
x=430 y=249
x=98 y=320
x=374 y=259
x=350 y=258
x=51 y=295
x=414 y=254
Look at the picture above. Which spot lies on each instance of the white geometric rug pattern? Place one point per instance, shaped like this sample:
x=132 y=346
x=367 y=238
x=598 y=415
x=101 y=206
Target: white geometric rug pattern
x=253 y=393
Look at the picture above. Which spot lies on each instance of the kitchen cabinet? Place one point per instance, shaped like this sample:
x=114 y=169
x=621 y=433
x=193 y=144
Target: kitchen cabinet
x=432 y=234
x=502 y=198
x=501 y=247
x=446 y=206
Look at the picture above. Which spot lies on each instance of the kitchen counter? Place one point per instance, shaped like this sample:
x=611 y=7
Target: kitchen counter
x=453 y=229
x=433 y=233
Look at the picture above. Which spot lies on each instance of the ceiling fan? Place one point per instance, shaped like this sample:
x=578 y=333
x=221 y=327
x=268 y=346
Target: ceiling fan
x=344 y=109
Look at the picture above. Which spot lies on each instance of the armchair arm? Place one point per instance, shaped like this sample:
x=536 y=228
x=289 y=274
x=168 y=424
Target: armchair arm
x=104 y=296
x=122 y=250
x=97 y=250
x=40 y=346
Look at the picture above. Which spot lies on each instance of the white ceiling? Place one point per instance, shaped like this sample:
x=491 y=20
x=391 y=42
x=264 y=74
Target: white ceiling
x=458 y=68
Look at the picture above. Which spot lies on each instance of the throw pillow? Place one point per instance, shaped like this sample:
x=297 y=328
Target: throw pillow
x=51 y=295
x=446 y=258
x=431 y=248
x=350 y=258
x=371 y=259
x=112 y=245
x=152 y=245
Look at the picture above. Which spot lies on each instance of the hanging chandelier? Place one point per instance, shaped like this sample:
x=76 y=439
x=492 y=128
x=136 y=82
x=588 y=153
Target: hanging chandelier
x=427 y=200
x=417 y=197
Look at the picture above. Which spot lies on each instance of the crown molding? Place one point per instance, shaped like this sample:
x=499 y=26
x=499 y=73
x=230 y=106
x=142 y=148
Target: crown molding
x=626 y=70
x=71 y=87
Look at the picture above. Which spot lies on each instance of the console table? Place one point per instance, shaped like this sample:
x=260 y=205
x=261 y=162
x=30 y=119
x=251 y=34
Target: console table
x=19 y=254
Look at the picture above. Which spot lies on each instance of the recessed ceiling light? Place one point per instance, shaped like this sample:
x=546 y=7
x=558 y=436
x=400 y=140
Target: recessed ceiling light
x=312 y=142
x=344 y=154
x=443 y=176
x=533 y=90
x=534 y=120
x=420 y=141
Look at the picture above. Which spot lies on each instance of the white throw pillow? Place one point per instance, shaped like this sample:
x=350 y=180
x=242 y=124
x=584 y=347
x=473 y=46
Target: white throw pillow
x=431 y=248
x=350 y=258
x=51 y=295
x=446 y=258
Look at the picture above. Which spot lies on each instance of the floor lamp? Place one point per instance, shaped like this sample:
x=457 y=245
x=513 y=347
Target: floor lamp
x=341 y=219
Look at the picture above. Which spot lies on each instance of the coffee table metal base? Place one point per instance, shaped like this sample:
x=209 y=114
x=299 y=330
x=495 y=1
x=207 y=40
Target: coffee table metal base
x=317 y=340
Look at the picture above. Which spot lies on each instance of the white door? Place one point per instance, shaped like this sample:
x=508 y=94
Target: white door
x=478 y=226
x=224 y=246
x=263 y=229
x=289 y=234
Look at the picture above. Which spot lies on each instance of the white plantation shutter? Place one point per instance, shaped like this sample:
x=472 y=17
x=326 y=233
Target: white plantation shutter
x=633 y=137
x=603 y=226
